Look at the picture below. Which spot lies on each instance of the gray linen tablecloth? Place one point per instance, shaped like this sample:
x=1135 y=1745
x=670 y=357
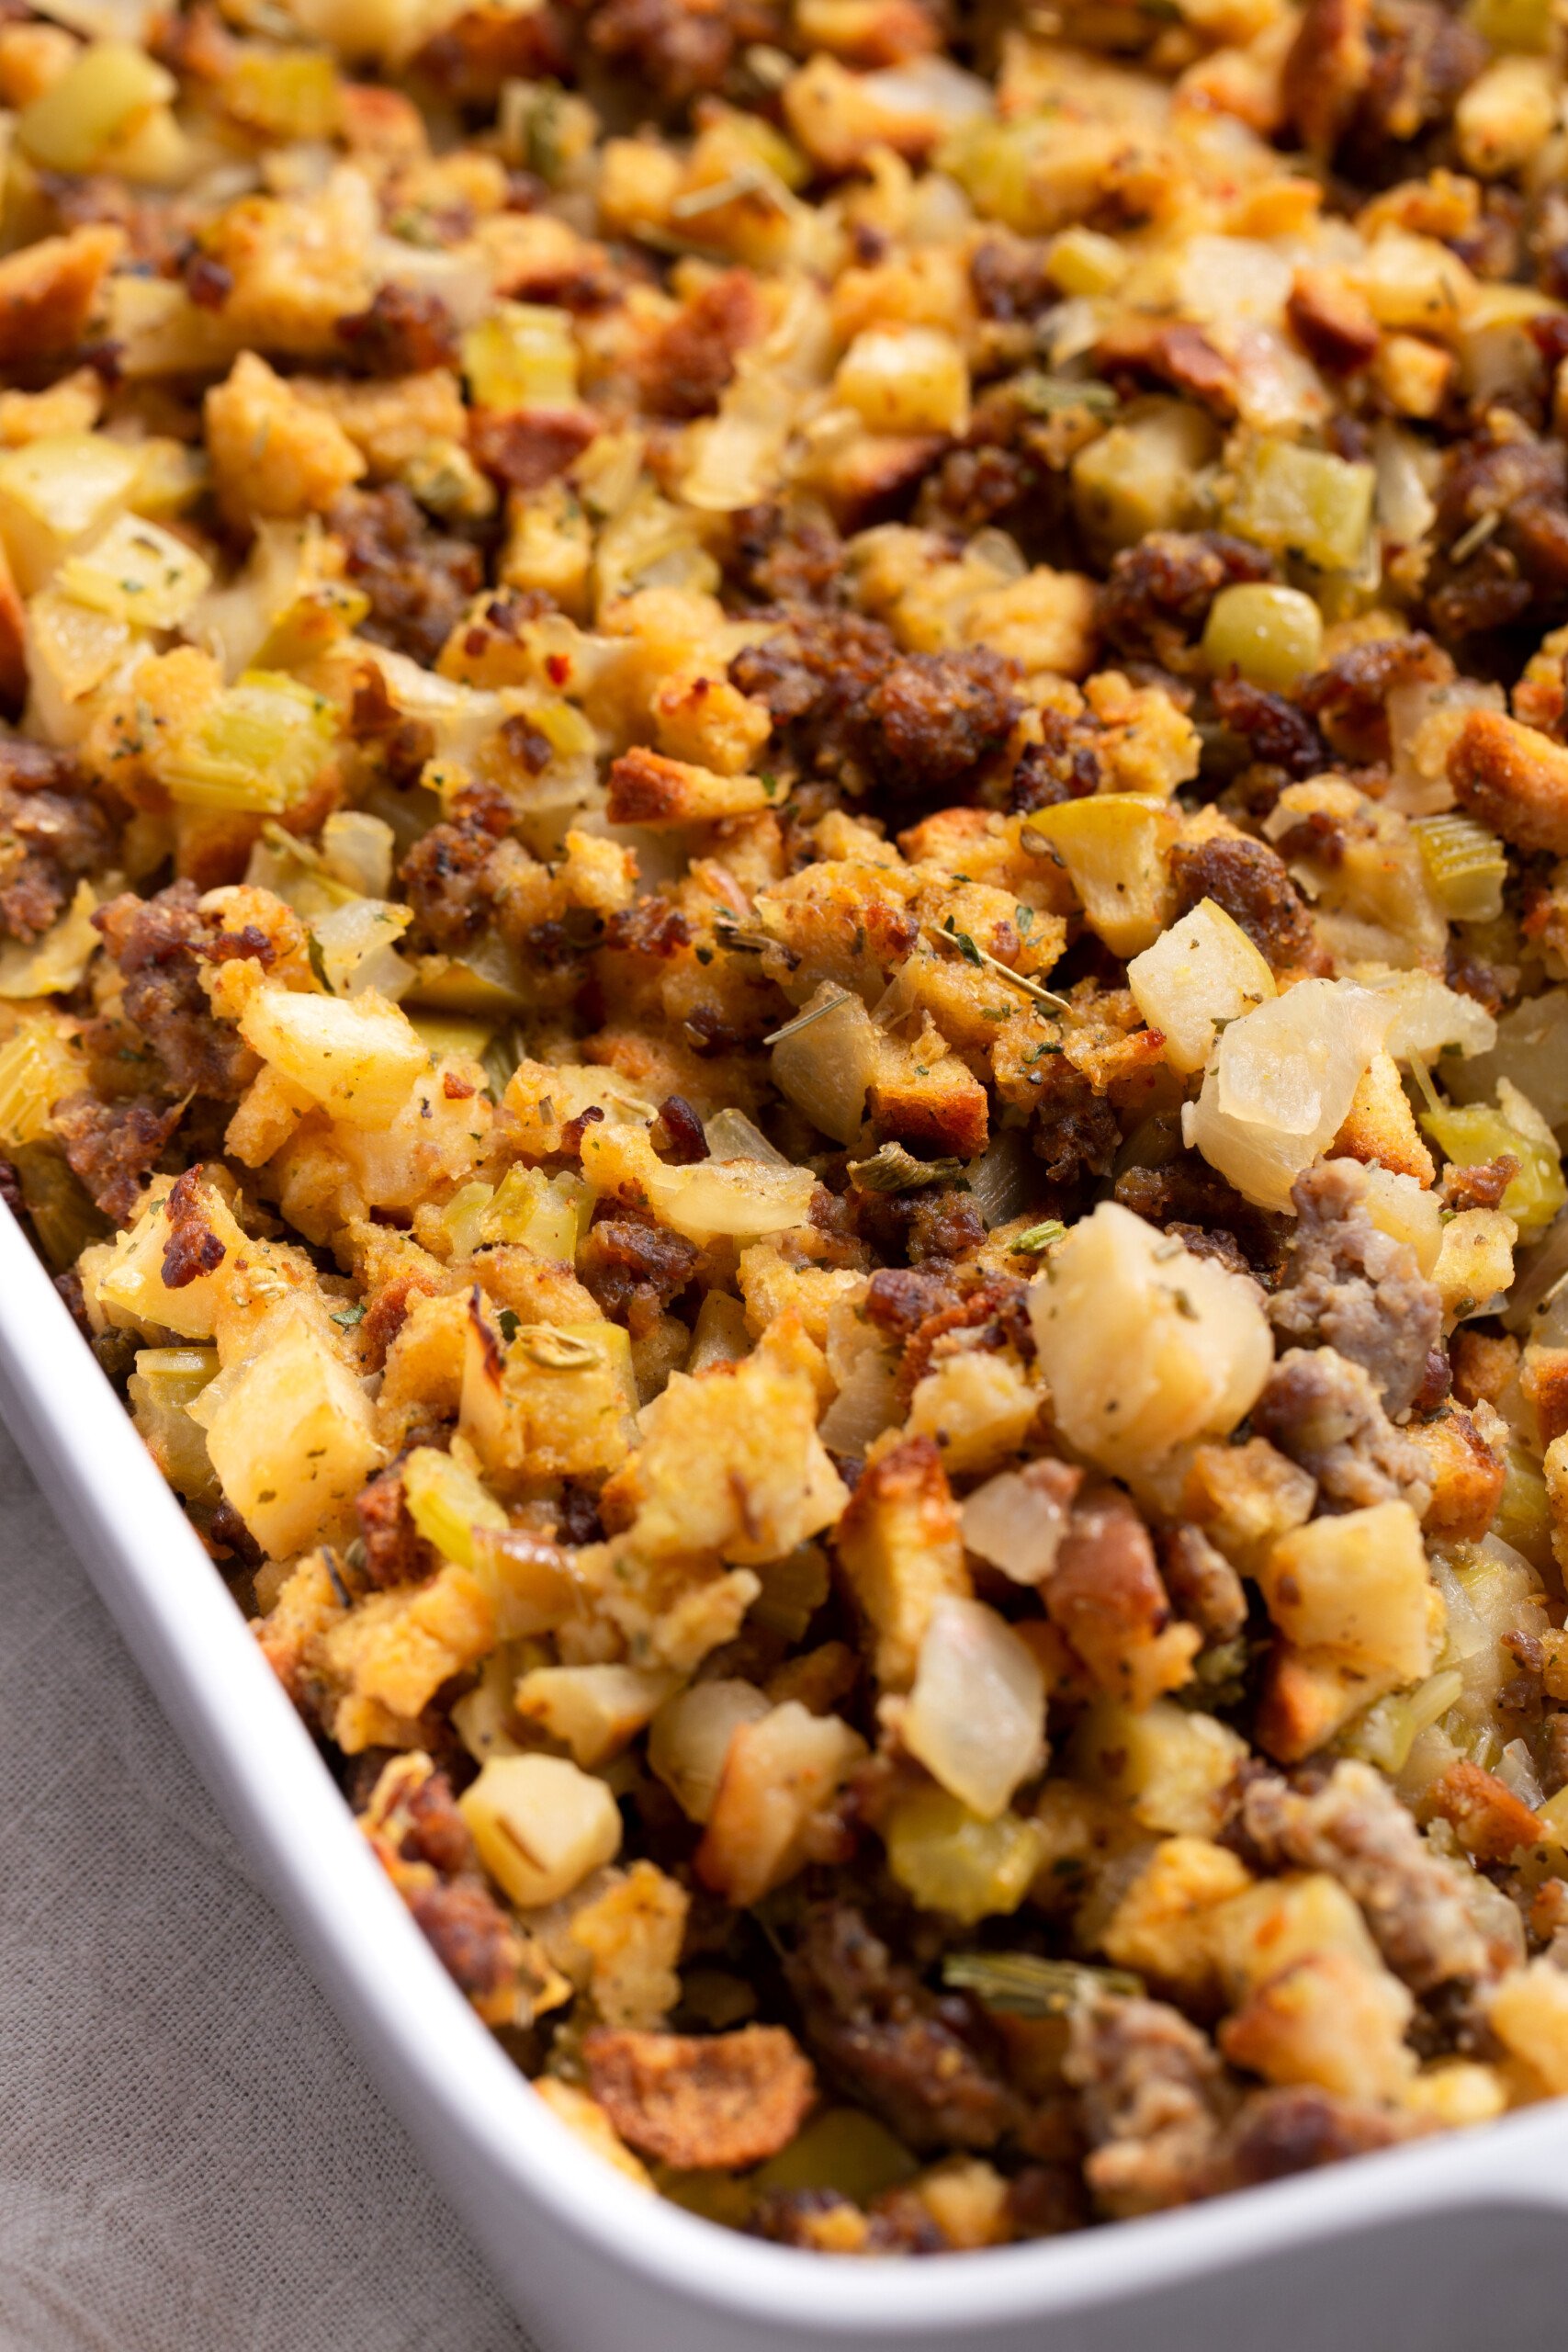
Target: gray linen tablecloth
x=190 y=2157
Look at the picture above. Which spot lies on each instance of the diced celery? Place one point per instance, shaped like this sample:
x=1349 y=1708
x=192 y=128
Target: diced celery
x=165 y=1382
x=1386 y=1733
x=457 y=1033
x=1084 y=261
x=99 y=101
x=1472 y=1134
x=137 y=572
x=284 y=94
x=463 y=1217
x=1466 y=866
x=37 y=1067
x=447 y=1502
x=63 y=1219
x=991 y=161
x=842 y=2148
x=169 y=478
x=547 y=1214
x=260 y=745
x=313 y=621
x=1272 y=636
x=948 y=1859
x=794 y=1589
x=1303 y=502
x=1524 y=1512
x=544 y=128
x=1141 y=475
x=521 y=355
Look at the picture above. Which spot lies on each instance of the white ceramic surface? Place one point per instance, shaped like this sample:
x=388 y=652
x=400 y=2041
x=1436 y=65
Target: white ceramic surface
x=1456 y=2245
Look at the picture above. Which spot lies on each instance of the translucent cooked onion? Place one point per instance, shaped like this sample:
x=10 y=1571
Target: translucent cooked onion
x=1403 y=505
x=1428 y=1018
x=1016 y=1523
x=461 y=275
x=357 y=948
x=691 y=1736
x=930 y=85
x=1281 y=1083
x=743 y=1199
x=730 y=1135
x=1004 y=1182
x=1423 y=720
x=1530 y=1050
x=866 y=1404
x=825 y=1068
x=976 y=1716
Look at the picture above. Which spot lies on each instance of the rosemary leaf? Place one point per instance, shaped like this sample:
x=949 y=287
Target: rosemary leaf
x=1022 y=1985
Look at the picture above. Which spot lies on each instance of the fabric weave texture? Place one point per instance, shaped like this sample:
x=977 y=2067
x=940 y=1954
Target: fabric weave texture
x=191 y=2159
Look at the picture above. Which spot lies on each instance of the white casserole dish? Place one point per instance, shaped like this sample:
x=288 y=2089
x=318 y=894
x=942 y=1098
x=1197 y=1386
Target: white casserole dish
x=1454 y=2246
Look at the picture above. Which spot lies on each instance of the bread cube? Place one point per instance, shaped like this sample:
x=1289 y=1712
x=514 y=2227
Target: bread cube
x=540 y=1826
x=1357 y=1585
x=293 y=1440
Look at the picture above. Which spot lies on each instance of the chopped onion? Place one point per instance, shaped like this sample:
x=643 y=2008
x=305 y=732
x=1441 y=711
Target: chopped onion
x=825 y=1068
x=743 y=1199
x=866 y=1404
x=358 y=946
x=358 y=849
x=1016 y=1523
x=1004 y=1182
x=720 y=1334
x=1430 y=1017
x=976 y=1716
x=729 y=1134
x=1531 y=1050
x=1403 y=505
x=930 y=85
x=690 y=1738
x=1516 y=1769
x=1423 y=720
x=1281 y=1083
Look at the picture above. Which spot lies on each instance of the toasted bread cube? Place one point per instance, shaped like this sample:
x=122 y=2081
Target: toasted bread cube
x=1476 y=1262
x=1328 y=2020
x=778 y=1773
x=647 y=788
x=899 y=1544
x=1529 y=2013
x=1160 y=1926
x=293 y=1440
x=1355 y=1585
x=1170 y=1765
x=592 y=1709
x=541 y=1825
x=1381 y=1126
x=1514 y=778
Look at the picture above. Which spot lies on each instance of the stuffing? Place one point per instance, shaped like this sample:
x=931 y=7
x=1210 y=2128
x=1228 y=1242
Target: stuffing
x=783 y=904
